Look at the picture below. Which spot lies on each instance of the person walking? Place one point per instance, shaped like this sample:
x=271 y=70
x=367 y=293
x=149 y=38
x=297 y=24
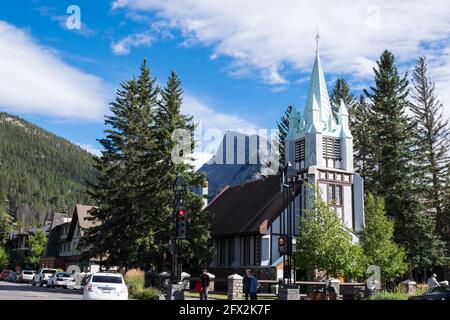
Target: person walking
x=246 y=283
x=205 y=281
x=253 y=287
x=432 y=282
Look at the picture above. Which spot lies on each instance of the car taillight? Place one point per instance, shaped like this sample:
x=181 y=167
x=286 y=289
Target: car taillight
x=90 y=288
x=124 y=289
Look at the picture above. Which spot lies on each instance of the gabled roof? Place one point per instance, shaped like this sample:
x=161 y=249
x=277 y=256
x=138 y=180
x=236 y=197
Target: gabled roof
x=246 y=209
x=80 y=213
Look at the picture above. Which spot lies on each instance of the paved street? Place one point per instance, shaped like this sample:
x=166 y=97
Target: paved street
x=15 y=291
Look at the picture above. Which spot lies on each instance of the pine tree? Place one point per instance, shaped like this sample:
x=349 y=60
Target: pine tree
x=341 y=91
x=135 y=190
x=394 y=161
x=197 y=249
x=362 y=131
x=431 y=133
x=378 y=243
x=121 y=191
x=283 y=130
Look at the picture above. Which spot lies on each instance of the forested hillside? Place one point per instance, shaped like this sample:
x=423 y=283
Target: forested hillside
x=40 y=173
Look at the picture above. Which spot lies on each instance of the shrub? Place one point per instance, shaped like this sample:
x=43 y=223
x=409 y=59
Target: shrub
x=386 y=295
x=135 y=280
x=146 y=294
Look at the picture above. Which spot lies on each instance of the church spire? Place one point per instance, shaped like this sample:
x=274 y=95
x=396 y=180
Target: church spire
x=318 y=92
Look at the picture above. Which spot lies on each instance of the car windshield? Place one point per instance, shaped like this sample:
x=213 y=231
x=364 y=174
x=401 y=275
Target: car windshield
x=107 y=279
x=63 y=274
x=48 y=271
x=28 y=272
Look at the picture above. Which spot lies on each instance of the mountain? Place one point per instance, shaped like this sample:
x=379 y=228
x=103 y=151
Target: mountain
x=40 y=173
x=239 y=159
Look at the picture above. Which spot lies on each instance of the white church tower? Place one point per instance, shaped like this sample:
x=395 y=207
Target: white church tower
x=320 y=148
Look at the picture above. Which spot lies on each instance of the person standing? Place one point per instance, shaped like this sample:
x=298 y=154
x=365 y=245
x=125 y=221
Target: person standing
x=432 y=282
x=246 y=283
x=205 y=281
x=253 y=287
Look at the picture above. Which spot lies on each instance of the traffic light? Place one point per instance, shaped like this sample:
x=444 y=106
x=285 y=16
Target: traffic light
x=282 y=244
x=180 y=222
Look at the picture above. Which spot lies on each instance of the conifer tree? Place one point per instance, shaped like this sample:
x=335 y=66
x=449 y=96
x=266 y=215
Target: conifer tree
x=135 y=189
x=431 y=133
x=283 y=130
x=341 y=90
x=395 y=171
x=362 y=131
x=122 y=193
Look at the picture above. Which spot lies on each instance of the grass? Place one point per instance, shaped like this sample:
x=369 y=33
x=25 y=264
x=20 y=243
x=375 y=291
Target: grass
x=399 y=293
x=219 y=296
x=135 y=281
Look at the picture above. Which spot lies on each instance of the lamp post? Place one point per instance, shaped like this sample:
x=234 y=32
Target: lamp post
x=287 y=223
x=179 y=191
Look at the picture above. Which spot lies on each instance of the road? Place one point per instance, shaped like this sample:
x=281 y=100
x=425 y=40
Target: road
x=23 y=291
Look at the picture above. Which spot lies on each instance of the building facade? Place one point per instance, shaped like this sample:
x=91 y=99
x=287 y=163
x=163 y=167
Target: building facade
x=246 y=218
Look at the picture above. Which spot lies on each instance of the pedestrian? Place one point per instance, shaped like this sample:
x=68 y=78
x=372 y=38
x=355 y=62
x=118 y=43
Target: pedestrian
x=253 y=287
x=204 y=280
x=246 y=283
x=432 y=282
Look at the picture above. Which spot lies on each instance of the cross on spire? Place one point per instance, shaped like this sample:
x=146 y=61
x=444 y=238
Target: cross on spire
x=317 y=39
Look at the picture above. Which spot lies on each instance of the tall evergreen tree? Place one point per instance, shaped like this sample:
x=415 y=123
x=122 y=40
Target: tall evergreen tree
x=134 y=193
x=431 y=132
x=362 y=131
x=341 y=90
x=394 y=159
x=121 y=191
x=283 y=130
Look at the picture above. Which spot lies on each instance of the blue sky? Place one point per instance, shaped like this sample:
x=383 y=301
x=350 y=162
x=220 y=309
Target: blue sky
x=241 y=63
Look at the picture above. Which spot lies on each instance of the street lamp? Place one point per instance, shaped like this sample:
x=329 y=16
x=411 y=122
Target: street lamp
x=287 y=223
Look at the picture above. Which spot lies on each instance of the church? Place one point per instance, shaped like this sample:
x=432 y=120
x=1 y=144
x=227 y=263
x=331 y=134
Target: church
x=246 y=218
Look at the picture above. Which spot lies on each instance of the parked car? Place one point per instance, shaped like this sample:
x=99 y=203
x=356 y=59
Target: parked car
x=437 y=293
x=60 y=279
x=26 y=276
x=42 y=276
x=105 y=286
x=5 y=274
x=13 y=277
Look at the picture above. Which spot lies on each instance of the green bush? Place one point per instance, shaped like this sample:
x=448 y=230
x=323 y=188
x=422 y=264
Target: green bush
x=386 y=295
x=134 y=279
x=146 y=294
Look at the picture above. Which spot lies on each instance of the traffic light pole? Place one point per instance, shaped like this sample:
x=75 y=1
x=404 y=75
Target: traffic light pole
x=176 y=246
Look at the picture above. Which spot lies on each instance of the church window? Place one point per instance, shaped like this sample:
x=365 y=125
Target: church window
x=226 y=251
x=331 y=151
x=245 y=250
x=300 y=154
x=257 y=256
x=335 y=194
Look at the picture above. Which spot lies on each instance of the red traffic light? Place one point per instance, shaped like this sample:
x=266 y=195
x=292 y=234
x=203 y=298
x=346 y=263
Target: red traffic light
x=181 y=212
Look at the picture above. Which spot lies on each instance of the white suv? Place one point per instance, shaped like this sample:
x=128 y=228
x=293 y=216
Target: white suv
x=42 y=276
x=105 y=286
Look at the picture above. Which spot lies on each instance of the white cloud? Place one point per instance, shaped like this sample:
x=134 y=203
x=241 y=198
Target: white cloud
x=211 y=119
x=123 y=46
x=90 y=148
x=34 y=79
x=272 y=38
